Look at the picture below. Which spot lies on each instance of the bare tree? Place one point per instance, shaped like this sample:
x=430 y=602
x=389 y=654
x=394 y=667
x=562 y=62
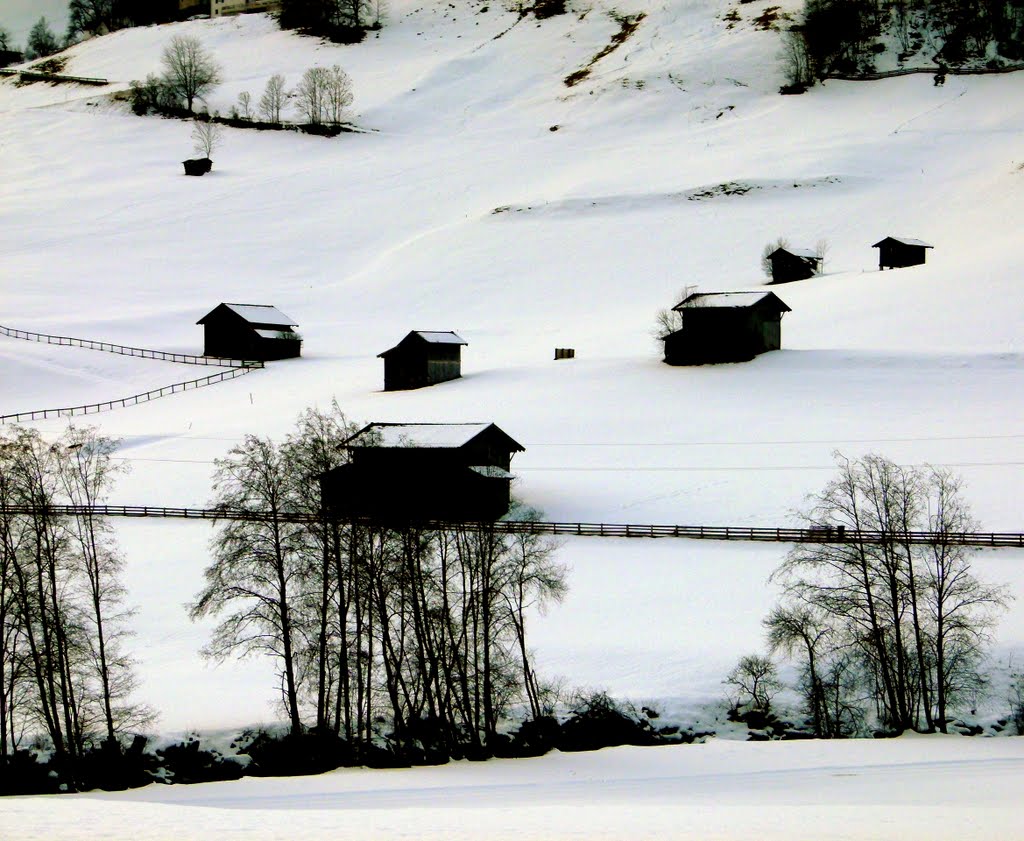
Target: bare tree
x=796 y=61
x=903 y=607
x=668 y=320
x=961 y=608
x=245 y=105
x=312 y=95
x=323 y=94
x=821 y=249
x=757 y=680
x=768 y=250
x=188 y=69
x=273 y=99
x=255 y=575
x=339 y=94
x=206 y=137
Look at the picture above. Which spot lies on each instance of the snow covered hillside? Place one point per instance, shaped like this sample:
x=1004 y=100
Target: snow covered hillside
x=486 y=196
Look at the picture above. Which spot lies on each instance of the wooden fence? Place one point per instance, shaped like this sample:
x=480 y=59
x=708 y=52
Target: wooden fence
x=910 y=71
x=133 y=400
x=744 y=533
x=125 y=350
x=42 y=76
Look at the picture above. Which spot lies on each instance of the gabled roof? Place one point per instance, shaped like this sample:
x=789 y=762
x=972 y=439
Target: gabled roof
x=903 y=241
x=730 y=300
x=805 y=253
x=425 y=435
x=431 y=337
x=255 y=314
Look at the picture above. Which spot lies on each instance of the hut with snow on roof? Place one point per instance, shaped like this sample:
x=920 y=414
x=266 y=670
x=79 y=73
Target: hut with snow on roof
x=418 y=472
x=725 y=327
x=789 y=264
x=899 y=252
x=250 y=331
x=424 y=357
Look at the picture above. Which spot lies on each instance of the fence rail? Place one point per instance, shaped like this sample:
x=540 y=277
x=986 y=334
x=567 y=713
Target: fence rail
x=909 y=71
x=42 y=76
x=743 y=533
x=125 y=350
x=133 y=400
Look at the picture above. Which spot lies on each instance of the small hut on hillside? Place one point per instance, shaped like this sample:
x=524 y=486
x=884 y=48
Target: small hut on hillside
x=413 y=472
x=789 y=264
x=249 y=331
x=725 y=327
x=424 y=357
x=899 y=252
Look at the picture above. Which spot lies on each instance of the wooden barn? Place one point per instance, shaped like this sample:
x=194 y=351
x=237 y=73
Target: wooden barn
x=249 y=331
x=414 y=472
x=424 y=357
x=725 y=327
x=899 y=252
x=789 y=264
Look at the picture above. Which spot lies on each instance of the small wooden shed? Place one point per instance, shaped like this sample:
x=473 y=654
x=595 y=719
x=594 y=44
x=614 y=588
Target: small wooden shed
x=898 y=252
x=250 y=331
x=789 y=264
x=424 y=357
x=414 y=472
x=725 y=327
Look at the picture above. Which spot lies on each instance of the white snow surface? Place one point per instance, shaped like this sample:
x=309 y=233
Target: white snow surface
x=459 y=204
x=427 y=435
x=907 y=789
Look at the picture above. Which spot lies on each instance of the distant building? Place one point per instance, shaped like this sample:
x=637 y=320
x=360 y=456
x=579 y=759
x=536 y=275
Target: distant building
x=249 y=331
x=898 y=252
x=414 y=472
x=239 y=7
x=422 y=358
x=725 y=327
x=789 y=264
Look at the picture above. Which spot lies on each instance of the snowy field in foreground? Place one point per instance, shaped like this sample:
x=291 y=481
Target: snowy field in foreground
x=908 y=789
x=367 y=236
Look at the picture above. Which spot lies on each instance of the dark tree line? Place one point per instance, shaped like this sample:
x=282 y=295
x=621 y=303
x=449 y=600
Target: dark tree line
x=892 y=631
x=345 y=21
x=97 y=17
x=64 y=668
x=381 y=634
x=844 y=36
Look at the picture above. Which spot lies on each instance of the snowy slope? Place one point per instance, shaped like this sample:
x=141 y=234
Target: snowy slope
x=602 y=222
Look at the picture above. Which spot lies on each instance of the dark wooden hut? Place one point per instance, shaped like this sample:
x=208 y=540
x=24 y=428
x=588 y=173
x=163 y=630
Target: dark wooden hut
x=789 y=264
x=422 y=358
x=725 y=327
x=250 y=331
x=197 y=166
x=413 y=472
x=898 y=252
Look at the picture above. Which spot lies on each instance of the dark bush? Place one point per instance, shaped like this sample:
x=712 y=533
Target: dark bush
x=113 y=768
x=23 y=773
x=288 y=755
x=600 y=723
x=186 y=762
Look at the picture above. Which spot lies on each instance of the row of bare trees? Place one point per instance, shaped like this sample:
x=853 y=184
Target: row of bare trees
x=890 y=632
x=417 y=637
x=64 y=669
x=321 y=97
